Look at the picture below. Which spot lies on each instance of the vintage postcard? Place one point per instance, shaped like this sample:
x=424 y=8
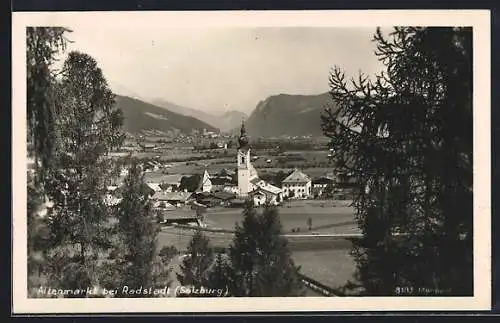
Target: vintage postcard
x=253 y=161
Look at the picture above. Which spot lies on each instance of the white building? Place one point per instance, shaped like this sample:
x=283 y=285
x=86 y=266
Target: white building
x=205 y=183
x=297 y=185
x=231 y=189
x=249 y=183
x=319 y=185
x=266 y=193
x=154 y=186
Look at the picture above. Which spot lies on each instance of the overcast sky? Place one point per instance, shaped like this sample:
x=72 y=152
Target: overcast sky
x=216 y=69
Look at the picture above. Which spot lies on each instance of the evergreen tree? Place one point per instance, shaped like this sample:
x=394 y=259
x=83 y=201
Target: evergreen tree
x=196 y=264
x=261 y=264
x=406 y=136
x=190 y=183
x=87 y=130
x=38 y=239
x=141 y=265
x=42 y=46
x=221 y=275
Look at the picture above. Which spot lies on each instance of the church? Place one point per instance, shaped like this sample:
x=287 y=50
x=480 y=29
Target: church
x=249 y=183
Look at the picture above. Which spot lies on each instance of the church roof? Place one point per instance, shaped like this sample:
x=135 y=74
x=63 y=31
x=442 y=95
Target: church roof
x=255 y=180
x=252 y=172
x=220 y=180
x=206 y=176
x=204 y=179
x=297 y=177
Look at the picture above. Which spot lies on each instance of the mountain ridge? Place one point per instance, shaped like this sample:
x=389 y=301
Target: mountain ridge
x=223 y=121
x=288 y=115
x=140 y=115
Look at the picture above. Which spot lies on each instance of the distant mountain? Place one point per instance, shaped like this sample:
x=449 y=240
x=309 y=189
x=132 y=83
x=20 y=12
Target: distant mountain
x=288 y=115
x=230 y=120
x=141 y=116
x=203 y=116
x=224 y=122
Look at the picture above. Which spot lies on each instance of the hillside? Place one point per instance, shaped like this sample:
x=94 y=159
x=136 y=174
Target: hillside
x=288 y=115
x=225 y=121
x=230 y=120
x=140 y=116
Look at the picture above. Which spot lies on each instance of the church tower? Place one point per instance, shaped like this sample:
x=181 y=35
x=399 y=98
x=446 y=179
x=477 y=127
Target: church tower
x=244 y=167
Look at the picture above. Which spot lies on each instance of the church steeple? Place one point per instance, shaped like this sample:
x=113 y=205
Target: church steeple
x=243 y=163
x=243 y=139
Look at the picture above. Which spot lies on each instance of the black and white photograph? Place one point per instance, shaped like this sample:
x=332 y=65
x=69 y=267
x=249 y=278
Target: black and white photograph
x=265 y=161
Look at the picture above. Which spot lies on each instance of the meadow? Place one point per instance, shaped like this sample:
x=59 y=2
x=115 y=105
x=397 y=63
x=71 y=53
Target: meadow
x=328 y=219
x=331 y=267
x=324 y=258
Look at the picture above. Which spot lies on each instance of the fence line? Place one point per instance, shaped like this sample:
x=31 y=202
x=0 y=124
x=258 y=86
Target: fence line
x=317 y=286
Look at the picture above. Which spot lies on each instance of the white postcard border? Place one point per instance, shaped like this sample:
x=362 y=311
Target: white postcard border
x=478 y=19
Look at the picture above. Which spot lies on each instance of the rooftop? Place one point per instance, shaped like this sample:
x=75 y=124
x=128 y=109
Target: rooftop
x=297 y=177
x=171 y=196
x=154 y=186
x=158 y=177
x=178 y=214
x=322 y=180
x=268 y=188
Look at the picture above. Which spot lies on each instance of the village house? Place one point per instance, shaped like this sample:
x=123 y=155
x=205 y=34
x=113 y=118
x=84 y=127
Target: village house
x=297 y=185
x=180 y=217
x=320 y=184
x=233 y=189
x=154 y=186
x=177 y=199
x=212 y=199
x=266 y=193
x=152 y=166
x=167 y=182
x=221 y=182
x=147 y=147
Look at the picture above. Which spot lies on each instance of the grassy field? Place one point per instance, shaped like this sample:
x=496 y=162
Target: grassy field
x=332 y=267
x=326 y=219
x=179 y=238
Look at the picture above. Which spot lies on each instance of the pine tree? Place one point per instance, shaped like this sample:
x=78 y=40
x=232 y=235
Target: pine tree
x=141 y=265
x=87 y=130
x=221 y=275
x=38 y=239
x=42 y=46
x=406 y=136
x=261 y=264
x=196 y=264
